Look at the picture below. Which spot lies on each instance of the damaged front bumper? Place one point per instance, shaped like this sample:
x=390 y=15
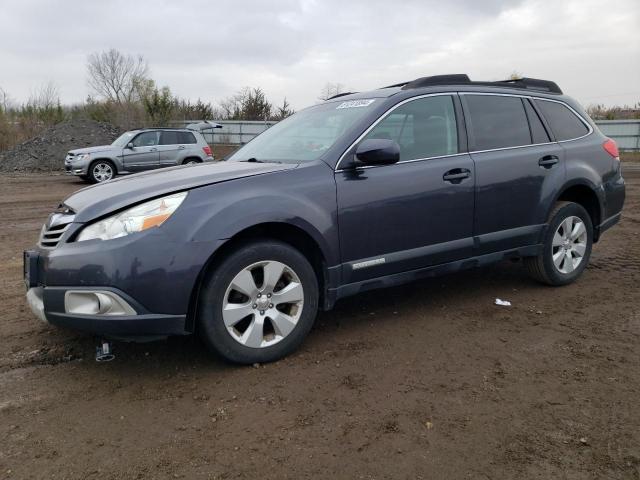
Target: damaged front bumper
x=101 y=310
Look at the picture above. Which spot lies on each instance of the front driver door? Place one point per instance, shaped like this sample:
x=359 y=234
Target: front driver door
x=144 y=153
x=418 y=212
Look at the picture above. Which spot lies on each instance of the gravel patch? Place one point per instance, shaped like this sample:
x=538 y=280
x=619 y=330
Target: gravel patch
x=46 y=152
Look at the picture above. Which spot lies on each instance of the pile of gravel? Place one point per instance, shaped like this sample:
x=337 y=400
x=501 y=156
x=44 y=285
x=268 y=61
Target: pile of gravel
x=46 y=152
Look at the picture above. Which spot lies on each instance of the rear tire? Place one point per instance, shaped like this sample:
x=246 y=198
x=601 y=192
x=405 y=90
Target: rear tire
x=191 y=161
x=259 y=303
x=567 y=246
x=101 y=171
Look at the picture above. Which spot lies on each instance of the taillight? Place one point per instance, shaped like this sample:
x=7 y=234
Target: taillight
x=611 y=148
x=207 y=151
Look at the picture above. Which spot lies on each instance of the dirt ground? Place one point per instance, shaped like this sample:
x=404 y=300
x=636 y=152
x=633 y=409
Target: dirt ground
x=427 y=381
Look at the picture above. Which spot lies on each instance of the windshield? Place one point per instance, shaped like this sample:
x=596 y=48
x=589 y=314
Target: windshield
x=304 y=136
x=123 y=139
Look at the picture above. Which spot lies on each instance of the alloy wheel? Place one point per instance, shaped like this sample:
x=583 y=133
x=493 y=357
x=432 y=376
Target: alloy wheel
x=102 y=172
x=569 y=244
x=262 y=304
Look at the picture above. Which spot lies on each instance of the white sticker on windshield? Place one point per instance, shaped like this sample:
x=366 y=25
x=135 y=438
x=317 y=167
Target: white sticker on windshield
x=356 y=103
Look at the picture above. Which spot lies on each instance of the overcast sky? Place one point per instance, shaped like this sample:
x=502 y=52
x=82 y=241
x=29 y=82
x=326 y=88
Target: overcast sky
x=209 y=49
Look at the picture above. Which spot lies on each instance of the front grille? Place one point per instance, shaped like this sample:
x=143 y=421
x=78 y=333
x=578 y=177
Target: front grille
x=57 y=224
x=50 y=237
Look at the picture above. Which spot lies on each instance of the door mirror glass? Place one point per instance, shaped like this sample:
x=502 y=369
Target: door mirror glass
x=377 y=151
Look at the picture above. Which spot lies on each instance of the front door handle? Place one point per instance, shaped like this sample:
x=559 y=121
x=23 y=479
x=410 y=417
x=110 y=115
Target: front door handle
x=456 y=175
x=153 y=149
x=548 y=161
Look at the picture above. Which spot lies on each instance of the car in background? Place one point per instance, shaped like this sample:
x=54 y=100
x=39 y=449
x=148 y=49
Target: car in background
x=140 y=150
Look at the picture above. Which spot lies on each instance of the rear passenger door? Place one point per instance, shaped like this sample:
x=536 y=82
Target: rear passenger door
x=169 y=148
x=518 y=169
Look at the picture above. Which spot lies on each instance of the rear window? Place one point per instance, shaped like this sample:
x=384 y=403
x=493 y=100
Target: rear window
x=186 y=138
x=169 y=138
x=497 y=122
x=538 y=132
x=563 y=122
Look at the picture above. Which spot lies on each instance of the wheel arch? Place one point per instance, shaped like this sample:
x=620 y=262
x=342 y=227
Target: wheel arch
x=288 y=233
x=587 y=195
x=191 y=157
x=103 y=159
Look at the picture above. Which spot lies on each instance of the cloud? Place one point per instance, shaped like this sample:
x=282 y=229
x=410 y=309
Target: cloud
x=292 y=48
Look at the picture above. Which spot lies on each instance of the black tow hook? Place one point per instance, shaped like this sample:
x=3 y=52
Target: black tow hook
x=104 y=353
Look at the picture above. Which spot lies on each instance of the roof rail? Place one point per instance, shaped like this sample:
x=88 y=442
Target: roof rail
x=395 y=85
x=533 y=84
x=526 y=83
x=341 y=95
x=159 y=128
x=454 y=79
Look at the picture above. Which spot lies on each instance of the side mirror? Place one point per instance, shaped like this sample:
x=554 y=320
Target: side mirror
x=130 y=145
x=377 y=151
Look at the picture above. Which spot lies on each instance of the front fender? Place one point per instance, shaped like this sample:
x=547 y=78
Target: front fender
x=304 y=197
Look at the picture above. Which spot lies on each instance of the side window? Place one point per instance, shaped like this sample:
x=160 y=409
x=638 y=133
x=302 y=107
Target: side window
x=563 y=122
x=146 y=139
x=423 y=128
x=497 y=121
x=169 y=138
x=538 y=132
x=186 y=138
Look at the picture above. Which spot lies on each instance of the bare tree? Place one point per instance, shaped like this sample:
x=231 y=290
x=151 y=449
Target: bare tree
x=115 y=76
x=45 y=98
x=331 y=89
x=515 y=75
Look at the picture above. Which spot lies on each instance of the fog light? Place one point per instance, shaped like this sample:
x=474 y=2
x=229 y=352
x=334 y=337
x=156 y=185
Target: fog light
x=97 y=302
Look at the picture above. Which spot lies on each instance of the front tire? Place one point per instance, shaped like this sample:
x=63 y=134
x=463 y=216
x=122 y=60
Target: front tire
x=567 y=246
x=259 y=303
x=101 y=171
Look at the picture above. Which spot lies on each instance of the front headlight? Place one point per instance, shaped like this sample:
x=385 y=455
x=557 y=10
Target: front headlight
x=136 y=219
x=82 y=156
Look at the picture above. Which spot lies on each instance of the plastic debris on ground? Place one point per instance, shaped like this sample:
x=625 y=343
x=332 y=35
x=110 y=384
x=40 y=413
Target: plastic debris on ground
x=503 y=303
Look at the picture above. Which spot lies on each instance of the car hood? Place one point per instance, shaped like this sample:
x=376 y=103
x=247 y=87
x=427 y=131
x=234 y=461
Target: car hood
x=100 y=148
x=98 y=200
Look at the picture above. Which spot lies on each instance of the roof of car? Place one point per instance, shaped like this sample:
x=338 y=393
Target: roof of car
x=530 y=85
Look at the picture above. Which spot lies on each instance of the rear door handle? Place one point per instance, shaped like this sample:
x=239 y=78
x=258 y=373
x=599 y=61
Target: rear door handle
x=456 y=175
x=548 y=161
x=181 y=147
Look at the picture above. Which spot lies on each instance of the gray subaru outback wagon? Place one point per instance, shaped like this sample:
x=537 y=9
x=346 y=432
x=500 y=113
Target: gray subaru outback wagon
x=363 y=191
x=140 y=150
